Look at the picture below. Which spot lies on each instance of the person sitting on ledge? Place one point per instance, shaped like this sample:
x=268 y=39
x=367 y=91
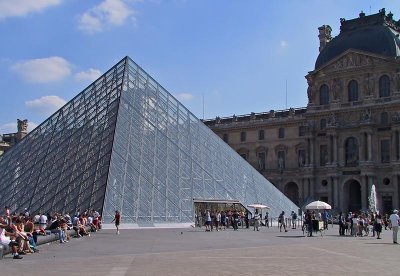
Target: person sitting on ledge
x=8 y=239
x=79 y=228
x=22 y=236
x=55 y=228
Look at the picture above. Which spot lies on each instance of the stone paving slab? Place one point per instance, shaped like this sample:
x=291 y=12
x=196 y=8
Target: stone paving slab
x=192 y=251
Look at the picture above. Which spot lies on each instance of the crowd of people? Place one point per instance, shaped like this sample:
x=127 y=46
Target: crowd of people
x=352 y=224
x=235 y=219
x=20 y=231
x=361 y=224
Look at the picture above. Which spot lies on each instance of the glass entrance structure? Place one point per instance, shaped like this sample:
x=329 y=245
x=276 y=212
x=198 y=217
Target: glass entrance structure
x=125 y=143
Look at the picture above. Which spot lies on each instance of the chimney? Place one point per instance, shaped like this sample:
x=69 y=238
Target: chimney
x=324 y=36
x=22 y=126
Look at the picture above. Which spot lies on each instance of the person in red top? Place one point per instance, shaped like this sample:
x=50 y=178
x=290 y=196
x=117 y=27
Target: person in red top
x=117 y=219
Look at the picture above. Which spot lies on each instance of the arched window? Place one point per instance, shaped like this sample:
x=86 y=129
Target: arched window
x=353 y=91
x=384 y=86
x=324 y=95
x=351 y=148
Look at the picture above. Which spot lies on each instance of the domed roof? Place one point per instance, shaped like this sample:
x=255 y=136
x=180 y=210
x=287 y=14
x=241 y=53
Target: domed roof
x=377 y=34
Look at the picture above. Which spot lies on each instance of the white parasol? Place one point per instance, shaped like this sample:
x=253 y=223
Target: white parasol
x=258 y=206
x=318 y=205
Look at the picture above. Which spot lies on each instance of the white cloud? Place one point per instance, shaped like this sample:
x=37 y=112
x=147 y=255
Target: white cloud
x=184 y=97
x=45 y=105
x=108 y=12
x=12 y=127
x=8 y=128
x=91 y=75
x=284 y=44
x=10 y=8
x=43 y=70
x=90 y=24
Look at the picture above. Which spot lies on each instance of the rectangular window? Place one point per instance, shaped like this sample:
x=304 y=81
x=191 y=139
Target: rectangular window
x=301 y=157
x=385 y=151
x=302 y=130
x=242 y=136
x=323 y=124
x=281 y=159
x=261 y=134
x=261 y=160
x=226 y=138
x=323 y=155
x=281 y=133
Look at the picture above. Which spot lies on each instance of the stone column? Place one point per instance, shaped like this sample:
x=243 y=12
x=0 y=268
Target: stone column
x=362 y=147
x=364 y=192
x=393 y=146
x=336 y=192
x=395 y=197
x=312 y=151
x=397 y=138
x=330 y=149
x=335 y=149
x=369 y=137
x=331 y=192
x=311 y=186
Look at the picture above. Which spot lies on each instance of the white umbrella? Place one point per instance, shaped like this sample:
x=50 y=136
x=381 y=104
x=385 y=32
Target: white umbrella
x=258 y=206
x=318 y=205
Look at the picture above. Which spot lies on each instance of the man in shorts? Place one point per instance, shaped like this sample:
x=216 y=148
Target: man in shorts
x=117 y=219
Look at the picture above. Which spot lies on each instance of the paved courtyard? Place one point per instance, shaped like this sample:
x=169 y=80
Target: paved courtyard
x=192 y=251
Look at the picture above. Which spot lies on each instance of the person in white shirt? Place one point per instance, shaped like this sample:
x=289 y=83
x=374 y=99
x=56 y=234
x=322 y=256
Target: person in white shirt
x=355 y=225
x=394 y=219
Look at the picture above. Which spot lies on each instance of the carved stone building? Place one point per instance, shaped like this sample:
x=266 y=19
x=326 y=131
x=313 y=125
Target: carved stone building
x=10 y=139
x=347 y=138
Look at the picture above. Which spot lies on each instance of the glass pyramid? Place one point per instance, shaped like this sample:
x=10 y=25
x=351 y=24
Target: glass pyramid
x=125 y=143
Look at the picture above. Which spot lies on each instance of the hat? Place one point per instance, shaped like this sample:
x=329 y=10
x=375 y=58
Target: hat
x=395 y=211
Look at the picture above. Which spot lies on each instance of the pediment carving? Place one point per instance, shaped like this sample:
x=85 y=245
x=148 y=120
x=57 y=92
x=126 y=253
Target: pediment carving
x=353 y=60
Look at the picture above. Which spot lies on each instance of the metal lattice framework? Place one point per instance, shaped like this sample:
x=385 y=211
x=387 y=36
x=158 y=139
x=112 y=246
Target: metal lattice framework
x=125 y=143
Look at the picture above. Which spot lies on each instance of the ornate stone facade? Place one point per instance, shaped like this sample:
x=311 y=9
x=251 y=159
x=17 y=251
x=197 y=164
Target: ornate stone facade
x=345 y=140
x=10 y=139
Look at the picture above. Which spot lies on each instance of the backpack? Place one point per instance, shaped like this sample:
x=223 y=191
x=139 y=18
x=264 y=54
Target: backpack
x=294 y=216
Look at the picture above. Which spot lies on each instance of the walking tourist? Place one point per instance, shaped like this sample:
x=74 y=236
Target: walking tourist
x=325 y=218
x=294 y=218
x=217 y=220
x=235 y=220
x=342 y=223
x=117 y=219
x=308 y=222
x=256 y=221
x=266 y=217
x=281 y=221
x=378 y=226
x=394 y=220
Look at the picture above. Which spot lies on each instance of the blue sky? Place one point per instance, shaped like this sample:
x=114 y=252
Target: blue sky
x=236 y=55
